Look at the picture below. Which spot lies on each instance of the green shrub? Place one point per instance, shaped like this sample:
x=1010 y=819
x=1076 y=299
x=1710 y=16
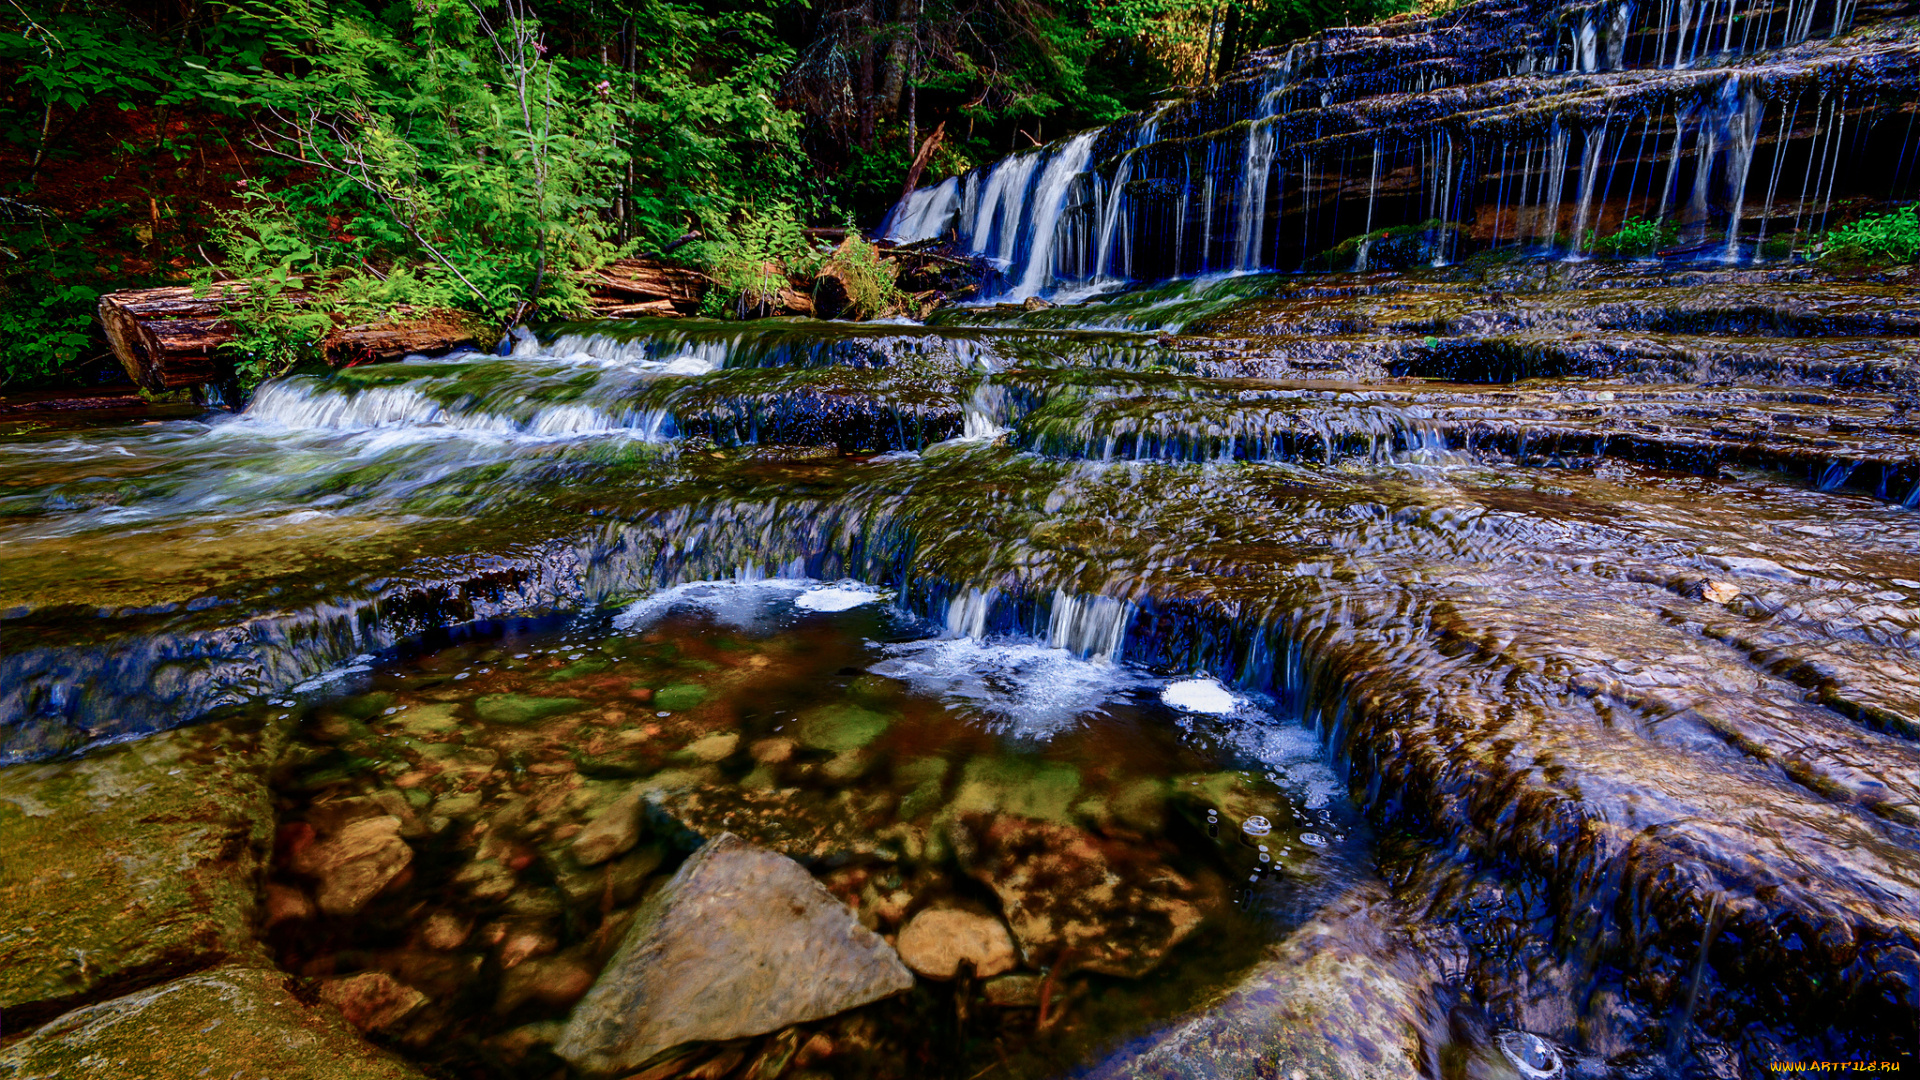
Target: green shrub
x=750 y=260
x=1635 y=238
x=871 y=282
x=1876 y=238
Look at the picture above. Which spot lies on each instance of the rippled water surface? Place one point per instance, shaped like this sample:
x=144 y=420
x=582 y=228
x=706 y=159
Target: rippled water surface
x=1566 y=640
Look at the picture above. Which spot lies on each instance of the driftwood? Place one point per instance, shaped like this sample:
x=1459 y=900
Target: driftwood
x=920 y=159
x=632 y=283
x=168 y=338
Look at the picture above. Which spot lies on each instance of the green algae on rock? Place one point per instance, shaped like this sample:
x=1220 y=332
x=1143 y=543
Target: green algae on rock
x=132 y=865
x=233 y=1020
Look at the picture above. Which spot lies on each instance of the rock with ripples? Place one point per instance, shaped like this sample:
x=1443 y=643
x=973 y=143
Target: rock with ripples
x=1342 y=998
x=742 y=941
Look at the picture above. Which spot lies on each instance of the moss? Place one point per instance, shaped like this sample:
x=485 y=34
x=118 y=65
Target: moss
x=839 y=728
x=1025 y=787
x=232 y=1021
x=679 y=697
x=130 y=865
x=521 y=708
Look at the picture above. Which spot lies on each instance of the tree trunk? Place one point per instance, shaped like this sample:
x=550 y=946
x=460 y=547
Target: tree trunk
x=630 y=282
x=1229 y=43
x=920 y=160
x=168 y=338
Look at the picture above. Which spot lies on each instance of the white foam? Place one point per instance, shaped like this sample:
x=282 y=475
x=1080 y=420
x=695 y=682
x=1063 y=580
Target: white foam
x=1200 y=695
x=841 y=596
x=1021 y=687
x=741 y=604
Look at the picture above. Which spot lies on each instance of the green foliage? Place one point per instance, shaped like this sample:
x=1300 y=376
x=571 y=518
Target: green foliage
x=704 y=132
x=1394 y=248
x=749 y=261
x=1636 y=237
x=50 y=284
x=869 y=280
x=1876 y=239
x=451 y=140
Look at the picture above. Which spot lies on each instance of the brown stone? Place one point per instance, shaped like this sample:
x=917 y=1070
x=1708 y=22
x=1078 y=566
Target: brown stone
x=740 y=942
x=373 y=1001
x=353 y=864
x=937 y=941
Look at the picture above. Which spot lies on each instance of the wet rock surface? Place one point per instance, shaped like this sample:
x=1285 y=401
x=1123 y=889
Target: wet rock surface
x=131 y=866
x=229 y=1021
x=740 y=942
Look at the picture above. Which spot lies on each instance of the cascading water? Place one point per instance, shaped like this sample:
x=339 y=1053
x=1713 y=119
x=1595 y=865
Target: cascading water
x=1472 y=667
x=1636 y=110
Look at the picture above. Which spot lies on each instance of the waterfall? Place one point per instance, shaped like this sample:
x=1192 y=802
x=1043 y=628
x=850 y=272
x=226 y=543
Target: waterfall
x=1365 y=134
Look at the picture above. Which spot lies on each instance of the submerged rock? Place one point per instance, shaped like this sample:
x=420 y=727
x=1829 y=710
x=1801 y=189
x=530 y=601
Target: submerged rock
x=740 y=942
x=130 y=865
x=937 y=941
x=1339 y=999
x=616 y=830
x=353 y=863
x=1077 y=901
x=233 y=1021
x=373 y=1001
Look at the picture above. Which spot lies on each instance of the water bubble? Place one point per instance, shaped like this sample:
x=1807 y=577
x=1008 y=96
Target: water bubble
x=1532 y=1055
x=462 y=675
x=1264 y=857
x=1256 y=826
x=663 y=714
x=1313 y=839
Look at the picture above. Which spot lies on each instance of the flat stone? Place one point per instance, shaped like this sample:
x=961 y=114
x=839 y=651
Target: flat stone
x=741 y=941
x=936 y=941
x=130 y=866
x=232 y=1021
x=614 y=831
x=353 y=863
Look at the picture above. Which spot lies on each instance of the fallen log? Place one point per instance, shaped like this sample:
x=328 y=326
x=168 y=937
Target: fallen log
x=627 y=282
x=169 y=338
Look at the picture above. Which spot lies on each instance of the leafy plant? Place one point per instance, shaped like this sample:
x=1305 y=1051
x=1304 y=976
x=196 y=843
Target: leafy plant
x=1876 y=238
x=750 y=261
x=1636 y=237
x=869 y=281
x=460 y=144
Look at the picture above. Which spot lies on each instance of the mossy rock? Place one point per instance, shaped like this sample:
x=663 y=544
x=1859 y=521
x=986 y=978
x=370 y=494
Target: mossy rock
x=522 y=708
x=840 y=728
x=231 y=1021
x=1023 y=787
x=679 y=697
x=130 y=865
x=443 y=719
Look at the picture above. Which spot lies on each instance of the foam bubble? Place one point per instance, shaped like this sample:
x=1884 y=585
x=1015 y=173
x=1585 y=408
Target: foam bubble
x=1200 y=695
x=837 y=597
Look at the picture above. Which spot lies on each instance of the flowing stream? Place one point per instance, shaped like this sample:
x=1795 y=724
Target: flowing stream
x=1350 y=631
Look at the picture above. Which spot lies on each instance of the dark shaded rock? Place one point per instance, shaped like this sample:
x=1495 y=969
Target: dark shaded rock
x=231 y=1021
x=740 y=942
x=1340 y=999
x=1077 y=900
